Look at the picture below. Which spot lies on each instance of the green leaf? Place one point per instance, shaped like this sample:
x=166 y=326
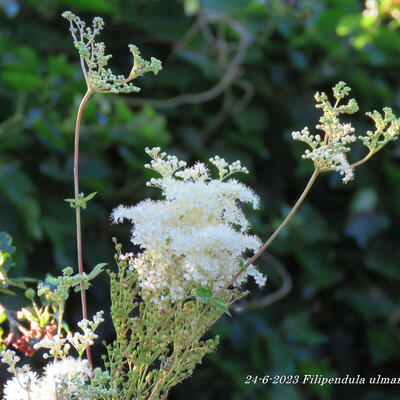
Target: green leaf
x=18 y=282
x=6 y=243
x=96 y=6
x=44 y=318
x=221 y=305
x=348 y=24
x=98 y=269
x=6 y=291
x=78 y=288
x=80 y=201
x=22 y=81
x=204 y=293
x=51 y=280
x=300 y=329
x=90 y=196
x=3 y=316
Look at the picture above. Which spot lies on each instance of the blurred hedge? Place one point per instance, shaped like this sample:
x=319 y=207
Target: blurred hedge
x=256 y=65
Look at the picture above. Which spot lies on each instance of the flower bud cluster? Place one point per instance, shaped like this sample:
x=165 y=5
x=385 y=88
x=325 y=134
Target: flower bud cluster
x=59 y=347
x=329 y=153
x=225 y=169
x=94 y=60
x=387 y=129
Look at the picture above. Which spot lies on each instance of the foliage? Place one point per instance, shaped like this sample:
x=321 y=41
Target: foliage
x=155 y=348
x=64 y=377
x=6 y=263
x=341 y=249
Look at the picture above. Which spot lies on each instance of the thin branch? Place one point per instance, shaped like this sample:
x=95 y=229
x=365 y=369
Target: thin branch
x=367 y=157
x=153 y=393
x=278 y=230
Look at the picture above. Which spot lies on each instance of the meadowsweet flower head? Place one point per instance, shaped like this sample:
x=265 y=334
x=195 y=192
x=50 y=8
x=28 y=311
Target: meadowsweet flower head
x=64 y=379
x=197 y=235
x=329 y=151
x=24 y=386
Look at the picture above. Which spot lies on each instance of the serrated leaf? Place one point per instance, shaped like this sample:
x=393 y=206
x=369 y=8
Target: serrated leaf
x=221 y=305
x=98 y=269
x=204 y=293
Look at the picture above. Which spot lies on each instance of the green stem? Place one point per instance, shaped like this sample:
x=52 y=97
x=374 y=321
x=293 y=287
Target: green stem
x=78 y=210
x=278 y=230
x=367 y=157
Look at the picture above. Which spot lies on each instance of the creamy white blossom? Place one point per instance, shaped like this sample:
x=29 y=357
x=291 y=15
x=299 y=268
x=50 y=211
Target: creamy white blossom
x=63 y=379
x=196 y=235
x=24 y=386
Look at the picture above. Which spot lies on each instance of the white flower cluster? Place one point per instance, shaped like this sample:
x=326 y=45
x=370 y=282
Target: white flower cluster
x=197 y=235
x=61 y=379
x=59 y=347
x=65 y=377
x=328 y=153
x=329 y=156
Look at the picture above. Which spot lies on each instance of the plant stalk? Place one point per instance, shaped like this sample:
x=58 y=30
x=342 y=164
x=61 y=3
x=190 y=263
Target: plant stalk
x=278 y=230
x=366 y=158
x=78 y=210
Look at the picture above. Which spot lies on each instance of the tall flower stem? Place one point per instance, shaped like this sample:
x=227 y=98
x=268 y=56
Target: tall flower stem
x=278 y=230
x=78 y=210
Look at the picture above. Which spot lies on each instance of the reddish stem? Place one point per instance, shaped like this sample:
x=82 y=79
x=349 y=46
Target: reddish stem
x=78 y=210
x=278 y=230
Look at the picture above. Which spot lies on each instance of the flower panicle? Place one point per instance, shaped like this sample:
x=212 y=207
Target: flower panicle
x=94 y=60
x=63 y=377
x=196 y=235
x=329 y=150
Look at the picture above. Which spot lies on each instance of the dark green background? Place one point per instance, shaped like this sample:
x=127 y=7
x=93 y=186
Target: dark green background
x=342 y=248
